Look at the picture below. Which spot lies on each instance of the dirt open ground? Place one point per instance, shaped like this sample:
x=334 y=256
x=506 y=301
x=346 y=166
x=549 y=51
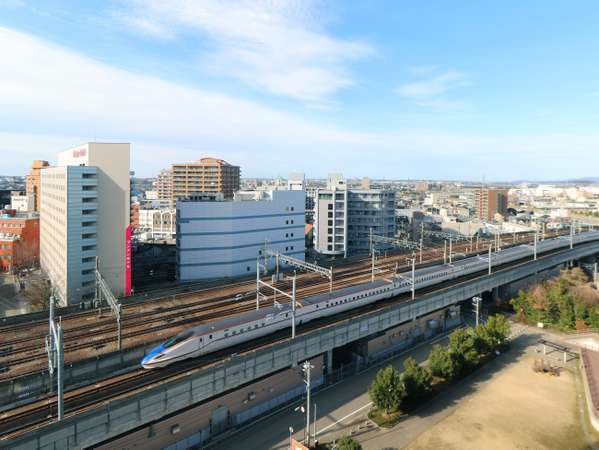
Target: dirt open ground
x=517 y=409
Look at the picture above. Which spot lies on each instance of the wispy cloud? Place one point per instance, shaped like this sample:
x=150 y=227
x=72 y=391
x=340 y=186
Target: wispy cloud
x=53 y=98
x=431 y=92
x=279 y=47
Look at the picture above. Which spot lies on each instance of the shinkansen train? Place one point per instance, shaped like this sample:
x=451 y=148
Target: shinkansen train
x=210 y=337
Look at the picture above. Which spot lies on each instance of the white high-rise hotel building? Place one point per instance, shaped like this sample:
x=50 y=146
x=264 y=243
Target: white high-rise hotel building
x=84 y=216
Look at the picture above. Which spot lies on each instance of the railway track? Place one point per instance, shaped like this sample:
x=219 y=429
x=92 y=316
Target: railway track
x=101 y=336
x=18 y=421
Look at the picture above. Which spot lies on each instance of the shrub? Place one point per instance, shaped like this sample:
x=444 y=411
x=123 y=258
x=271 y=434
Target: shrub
x=347 y=443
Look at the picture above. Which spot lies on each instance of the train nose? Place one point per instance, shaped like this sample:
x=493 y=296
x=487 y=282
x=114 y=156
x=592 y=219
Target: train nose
x=149 y=361
x=146 y=363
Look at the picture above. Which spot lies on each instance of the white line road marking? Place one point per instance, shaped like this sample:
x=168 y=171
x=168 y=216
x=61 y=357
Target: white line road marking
x=367 y=405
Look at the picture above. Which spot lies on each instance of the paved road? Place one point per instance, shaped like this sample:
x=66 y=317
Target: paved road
x=9 y=301
x=339 y=408
x=342 y=409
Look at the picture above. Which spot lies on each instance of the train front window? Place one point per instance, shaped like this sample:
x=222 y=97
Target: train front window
x=177 y=339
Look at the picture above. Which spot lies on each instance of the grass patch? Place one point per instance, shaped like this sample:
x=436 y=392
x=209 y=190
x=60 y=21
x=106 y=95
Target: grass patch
x=384 y=419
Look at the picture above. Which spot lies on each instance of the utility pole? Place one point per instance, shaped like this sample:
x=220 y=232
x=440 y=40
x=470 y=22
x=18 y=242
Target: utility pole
x=421 y=239
x=450 y=250
x=413 y=278
x=445 y=252
x=490 y=250
x=535 y=245
x=476 y=303
x=477 y=241
x=257 y=283
x=372 y=271
x=331 y=279
x=595 y=276
x=293 y=307
x=314 y=426
x=307 y=367
x=571 y=234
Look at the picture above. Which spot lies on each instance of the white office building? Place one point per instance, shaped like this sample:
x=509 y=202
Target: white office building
x=218 y=239
x=21 y=202
x=84 y=216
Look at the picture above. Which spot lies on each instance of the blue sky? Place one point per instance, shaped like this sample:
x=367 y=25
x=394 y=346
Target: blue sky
x=386 y=89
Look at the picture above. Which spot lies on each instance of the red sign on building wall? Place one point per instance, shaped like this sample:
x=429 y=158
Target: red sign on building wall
x=128 y=261
x=78 y=153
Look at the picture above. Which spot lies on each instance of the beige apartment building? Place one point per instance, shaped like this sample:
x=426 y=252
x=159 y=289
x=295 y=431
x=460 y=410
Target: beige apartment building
x=163 y=184
x=32 y=182
x=490 y=201
x=85 y=216
x=208 y=175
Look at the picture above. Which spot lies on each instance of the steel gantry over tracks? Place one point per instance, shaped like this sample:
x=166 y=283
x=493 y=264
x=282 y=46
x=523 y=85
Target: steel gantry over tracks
x=103 y=292
x=299 y=264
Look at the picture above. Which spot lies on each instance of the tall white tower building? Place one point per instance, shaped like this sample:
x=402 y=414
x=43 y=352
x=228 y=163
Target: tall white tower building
x=84 y=217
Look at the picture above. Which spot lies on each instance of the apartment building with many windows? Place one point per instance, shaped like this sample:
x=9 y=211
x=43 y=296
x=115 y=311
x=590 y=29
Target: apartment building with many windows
x=208 y=175
x=490 y=202
x=343 y=217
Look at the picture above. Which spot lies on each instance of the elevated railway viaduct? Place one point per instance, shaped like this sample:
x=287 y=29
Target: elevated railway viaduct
x=108 y=411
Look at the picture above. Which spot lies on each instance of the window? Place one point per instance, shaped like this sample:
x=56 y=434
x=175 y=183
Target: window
x=330 y=215
x=286 y=234
x=291 y=247
x=330 y=223
x=178 y=339
x=330 y=206
x=247 y=268
x=292 y=208
x=286 y=222
x=329 y=247
x=291 y=234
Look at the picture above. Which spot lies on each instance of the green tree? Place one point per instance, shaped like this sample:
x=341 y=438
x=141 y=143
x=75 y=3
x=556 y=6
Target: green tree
x=417 y=381
x=347 y=443
x=581 y=311
x=521 y=306
x=497 y=330
x=566 y=314
x=441 y=363
x=387 y=390
x=463 y=351
x=593 y=320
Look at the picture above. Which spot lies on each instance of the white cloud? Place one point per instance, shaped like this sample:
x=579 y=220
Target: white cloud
x=52 y=98
x=431 y=91
x=274 y=46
